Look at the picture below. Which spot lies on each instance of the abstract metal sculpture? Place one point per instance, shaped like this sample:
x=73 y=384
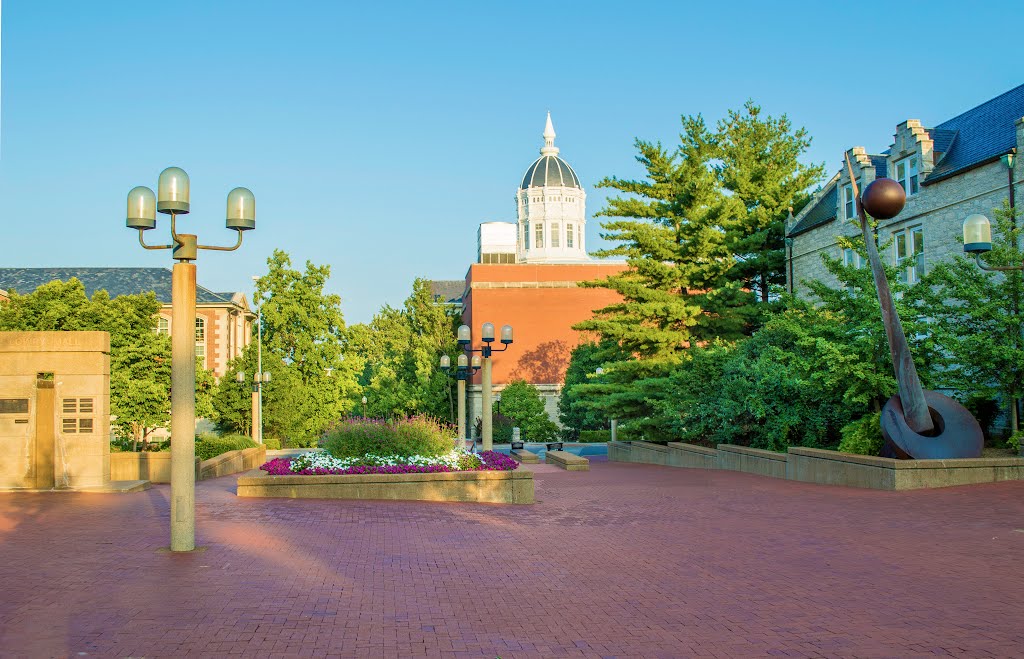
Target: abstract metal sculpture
x=916 y=423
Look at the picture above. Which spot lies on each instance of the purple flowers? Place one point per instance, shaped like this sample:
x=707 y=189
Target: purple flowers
x=491 y=461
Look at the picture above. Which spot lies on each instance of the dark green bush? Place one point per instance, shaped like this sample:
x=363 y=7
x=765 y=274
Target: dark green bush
x=863 y=436
x=271 y=443
x=210 y=445
x=403 y=437
x=501 y=429
x=591 y=436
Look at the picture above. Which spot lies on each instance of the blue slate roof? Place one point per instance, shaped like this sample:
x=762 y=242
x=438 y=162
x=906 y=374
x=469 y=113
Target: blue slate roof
x=821 y=212
x=115 y=281
x=978 y=136
x=881 y=164
x=448 y=291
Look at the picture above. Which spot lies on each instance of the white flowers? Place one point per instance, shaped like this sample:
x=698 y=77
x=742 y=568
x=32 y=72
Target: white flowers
x=318 y=460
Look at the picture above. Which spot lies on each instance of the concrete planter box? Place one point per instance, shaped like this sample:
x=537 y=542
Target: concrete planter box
x=475 y=486
x=810 y=465
x=155 y=467
x=833 y=468
x=752 y=460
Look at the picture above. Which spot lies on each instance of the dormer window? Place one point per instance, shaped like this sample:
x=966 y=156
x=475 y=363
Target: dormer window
x=848 y=200
x=907 y=175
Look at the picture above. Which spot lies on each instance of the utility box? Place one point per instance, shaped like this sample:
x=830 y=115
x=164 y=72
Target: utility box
x=54 y=410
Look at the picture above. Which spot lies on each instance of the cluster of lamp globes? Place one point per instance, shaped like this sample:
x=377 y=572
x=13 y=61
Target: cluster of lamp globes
x=463 y=362
x=172 y=198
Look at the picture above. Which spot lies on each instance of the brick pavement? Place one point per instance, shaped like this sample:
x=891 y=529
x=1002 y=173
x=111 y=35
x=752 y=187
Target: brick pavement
x=624 y=560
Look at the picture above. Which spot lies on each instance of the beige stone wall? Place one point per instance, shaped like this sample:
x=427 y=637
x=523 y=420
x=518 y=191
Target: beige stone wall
x=939 y=208
x=80 y=364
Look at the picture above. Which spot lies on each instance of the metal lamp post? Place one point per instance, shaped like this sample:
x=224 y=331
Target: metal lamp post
x=364 y=407
x=487 y=337
x=462 y=372
x=172 y=199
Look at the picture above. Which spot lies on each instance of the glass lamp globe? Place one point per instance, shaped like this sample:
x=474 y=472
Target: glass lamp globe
x=463 y=361
x=172 y=191
x=487 y=332
x=464 y=335
x=476 y=362
x=446 y=362
x=141 y=208
x=241 y=210
x=506 y=334
x=977 y=234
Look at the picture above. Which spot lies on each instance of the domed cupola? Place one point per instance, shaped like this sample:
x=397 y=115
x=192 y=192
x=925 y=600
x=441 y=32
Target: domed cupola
x=551 y=208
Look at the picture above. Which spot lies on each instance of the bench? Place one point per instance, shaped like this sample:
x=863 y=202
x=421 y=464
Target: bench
x=567 y=461
x=524 y=456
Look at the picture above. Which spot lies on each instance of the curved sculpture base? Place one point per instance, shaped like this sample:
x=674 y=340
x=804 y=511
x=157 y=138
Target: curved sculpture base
x=957 y=435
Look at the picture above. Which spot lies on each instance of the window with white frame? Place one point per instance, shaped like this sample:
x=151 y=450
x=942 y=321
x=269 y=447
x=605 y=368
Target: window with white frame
x=908 y=248
x=579 y=235
x=848 y=200
x=907 y=176
x=163 y=326
x=538 y=235
x=568 y=235
x=526 y=236
x=201 y=339
x=851 y=258
x=555 y=234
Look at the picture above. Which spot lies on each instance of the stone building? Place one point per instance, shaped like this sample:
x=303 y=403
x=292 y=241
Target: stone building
x=959 y=167
x=527 y=275
x=223 y=320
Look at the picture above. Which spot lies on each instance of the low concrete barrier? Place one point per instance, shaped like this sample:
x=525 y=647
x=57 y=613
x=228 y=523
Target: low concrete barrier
x=824 y=467
x=752 y=460
x=155 y=467
x=474 y=486
x=567 y=461
x=810 y=465
x=233 y=462
x=151 y=466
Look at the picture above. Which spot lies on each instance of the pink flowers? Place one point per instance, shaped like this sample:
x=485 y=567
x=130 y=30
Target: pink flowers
x=491 y=461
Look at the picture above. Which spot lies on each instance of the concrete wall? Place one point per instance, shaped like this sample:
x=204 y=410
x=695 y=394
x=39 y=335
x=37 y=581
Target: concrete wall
x=80 y=364
x=156 y=467
x=475 y=486
x=824 y=467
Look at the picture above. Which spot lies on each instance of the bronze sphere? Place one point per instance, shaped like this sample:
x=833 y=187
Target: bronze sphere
x=883 y=198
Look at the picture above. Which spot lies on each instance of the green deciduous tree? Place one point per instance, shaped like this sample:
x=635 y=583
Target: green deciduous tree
x=977 y=321
x=522 y=403
x=140 y=358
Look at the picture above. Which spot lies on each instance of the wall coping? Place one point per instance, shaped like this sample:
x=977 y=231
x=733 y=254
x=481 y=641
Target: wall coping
x=55 y=342
x=259 y=477
x=652 y=447
x=892 y=463
x=754 y=452
x=230 y=455
x=693 y=448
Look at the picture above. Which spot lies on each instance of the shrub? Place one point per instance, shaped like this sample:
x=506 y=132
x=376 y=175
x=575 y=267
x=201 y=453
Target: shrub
x=591 y=436
x=271 y=443
x=210 y=445
x=1015 y=440
x=863 y=436
x=501 y=428
x=522 y=403
x=403 y=437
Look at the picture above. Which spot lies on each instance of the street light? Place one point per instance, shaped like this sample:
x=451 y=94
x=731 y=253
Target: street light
x=260 y=377
x=978 y=240
x=487 y=336
x=173 y=199
x=461 y=374
x=364 y=407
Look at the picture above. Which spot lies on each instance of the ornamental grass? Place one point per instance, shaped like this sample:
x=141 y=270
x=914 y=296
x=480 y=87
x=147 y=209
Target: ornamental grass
x=416 y=436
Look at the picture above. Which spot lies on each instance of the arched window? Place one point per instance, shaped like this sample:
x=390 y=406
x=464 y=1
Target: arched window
x=201 y=338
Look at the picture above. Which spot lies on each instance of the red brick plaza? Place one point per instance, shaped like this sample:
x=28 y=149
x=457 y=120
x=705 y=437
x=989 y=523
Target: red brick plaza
x=626 y=560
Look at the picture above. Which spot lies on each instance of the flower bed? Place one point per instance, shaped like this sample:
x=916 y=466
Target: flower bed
x=322 y=464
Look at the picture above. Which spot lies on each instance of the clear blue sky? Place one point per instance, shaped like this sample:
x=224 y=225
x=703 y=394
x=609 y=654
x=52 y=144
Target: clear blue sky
x=377 y=135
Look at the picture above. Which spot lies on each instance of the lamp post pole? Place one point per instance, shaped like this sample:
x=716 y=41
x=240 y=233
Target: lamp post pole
x=487 y=338
x=461 y=375
x=173 y=199
x=364 y=407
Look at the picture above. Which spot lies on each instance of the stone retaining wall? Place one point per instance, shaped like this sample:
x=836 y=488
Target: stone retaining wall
x=475 y=486
x=155 y=467
x=824 y=467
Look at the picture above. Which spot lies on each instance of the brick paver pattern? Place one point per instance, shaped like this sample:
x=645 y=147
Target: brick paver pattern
x=624 y=560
